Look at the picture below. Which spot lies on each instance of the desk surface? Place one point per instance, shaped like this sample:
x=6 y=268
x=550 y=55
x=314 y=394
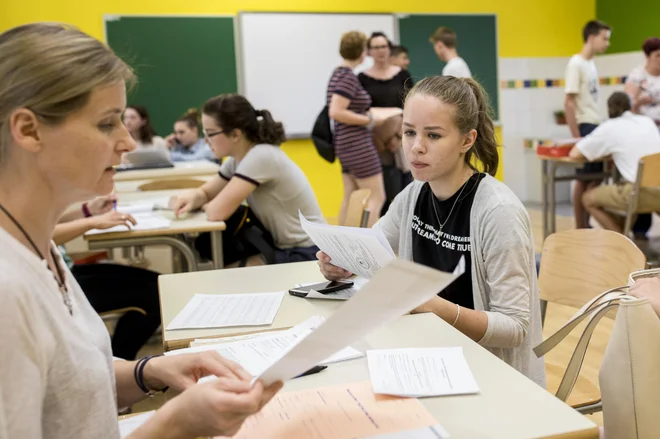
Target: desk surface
x=177 y=289
x=192 y=223
x=509 y=405
x=180 y=169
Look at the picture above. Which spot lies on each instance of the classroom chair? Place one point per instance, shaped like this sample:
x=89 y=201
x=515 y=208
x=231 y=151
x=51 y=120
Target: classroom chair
x=648 y=176
x=576 y=266
x=357 y=214
x=165 y=185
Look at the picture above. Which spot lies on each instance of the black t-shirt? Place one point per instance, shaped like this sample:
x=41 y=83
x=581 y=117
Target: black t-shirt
x=442 y=249
x=388 y=92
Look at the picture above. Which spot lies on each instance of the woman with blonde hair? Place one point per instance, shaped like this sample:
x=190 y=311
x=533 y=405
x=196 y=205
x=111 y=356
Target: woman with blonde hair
x=62 y=95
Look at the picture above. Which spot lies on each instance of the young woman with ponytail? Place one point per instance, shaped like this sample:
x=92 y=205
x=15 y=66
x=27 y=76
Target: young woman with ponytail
x=258 y=171
x=454 y=210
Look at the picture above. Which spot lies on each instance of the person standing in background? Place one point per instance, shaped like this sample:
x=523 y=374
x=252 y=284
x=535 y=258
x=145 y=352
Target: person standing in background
x=348 y=106
x=387 y=85
x=643 y=87
x=185 y=143
x=444 y=44
x=581 y=104
x=399 y=57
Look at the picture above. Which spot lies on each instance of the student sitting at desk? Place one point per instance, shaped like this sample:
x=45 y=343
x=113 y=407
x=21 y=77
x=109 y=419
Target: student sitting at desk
x=185 y=143
x=113 y=286
x=258 y=171
x=138 y=123
x=62 y=94
x=627 y=137
x=453 y=210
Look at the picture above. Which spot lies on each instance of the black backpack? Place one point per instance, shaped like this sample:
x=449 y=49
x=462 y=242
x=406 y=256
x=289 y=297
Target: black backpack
x=322 y=136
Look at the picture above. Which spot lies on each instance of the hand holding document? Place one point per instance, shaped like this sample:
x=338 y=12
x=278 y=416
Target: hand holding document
x=345 y=411
x=396 y=289
x=225 y=310
x=420 y=372
x=358 y=250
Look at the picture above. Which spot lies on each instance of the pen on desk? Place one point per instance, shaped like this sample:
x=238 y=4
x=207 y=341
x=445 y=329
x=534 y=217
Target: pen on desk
x=312 y=371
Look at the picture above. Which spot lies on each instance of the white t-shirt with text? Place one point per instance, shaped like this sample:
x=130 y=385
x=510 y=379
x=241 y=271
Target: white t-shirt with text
x=627 y=139
x=582 y=80
x=457 y=67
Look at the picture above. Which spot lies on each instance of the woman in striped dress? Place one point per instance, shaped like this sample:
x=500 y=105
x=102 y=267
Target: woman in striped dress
x=349 y=105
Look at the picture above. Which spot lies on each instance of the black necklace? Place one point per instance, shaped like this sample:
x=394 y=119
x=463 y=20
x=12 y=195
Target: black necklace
x=59 y=278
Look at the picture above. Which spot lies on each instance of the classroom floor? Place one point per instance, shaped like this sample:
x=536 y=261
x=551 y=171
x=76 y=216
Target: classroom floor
x=557 y=315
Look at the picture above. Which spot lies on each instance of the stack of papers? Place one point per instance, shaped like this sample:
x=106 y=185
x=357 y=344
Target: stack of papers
x=145 y=221
x=144 y=206
x=358 y=250
x=256 y=352
x=344 y=411
x=421 y=372
x=225 y=310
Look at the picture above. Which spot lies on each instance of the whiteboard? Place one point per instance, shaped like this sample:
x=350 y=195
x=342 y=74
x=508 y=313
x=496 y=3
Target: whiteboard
x=286 y=60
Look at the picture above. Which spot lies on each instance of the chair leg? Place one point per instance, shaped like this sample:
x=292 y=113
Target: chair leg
x=364 y=222
x=591 y=408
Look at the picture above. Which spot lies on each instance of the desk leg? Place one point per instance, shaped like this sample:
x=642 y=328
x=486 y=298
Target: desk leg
x=545 y=181
x=216 y=247
x=552 y=198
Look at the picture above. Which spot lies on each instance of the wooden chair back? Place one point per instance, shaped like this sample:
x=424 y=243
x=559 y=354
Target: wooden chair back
x=356 y=208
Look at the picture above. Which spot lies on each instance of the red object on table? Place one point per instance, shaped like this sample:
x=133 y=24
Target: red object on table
x=554 y=150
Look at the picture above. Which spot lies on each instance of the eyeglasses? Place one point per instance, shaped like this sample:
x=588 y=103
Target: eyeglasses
x=209 y=135
x=379 y=47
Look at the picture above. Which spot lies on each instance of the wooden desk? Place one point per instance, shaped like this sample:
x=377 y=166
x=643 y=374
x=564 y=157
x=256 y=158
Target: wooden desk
x=172 y=236
x=509 y=405
x=549 y=166
x=180 y=170
x=177 y=289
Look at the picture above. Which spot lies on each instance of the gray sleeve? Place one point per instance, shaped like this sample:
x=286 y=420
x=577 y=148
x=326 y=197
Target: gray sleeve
x=227 y=168
x=24 y=368
x=506 y=243
x=258 y=166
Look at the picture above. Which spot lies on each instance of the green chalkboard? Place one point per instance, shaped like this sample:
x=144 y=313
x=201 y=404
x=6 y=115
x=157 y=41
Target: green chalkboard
x=477 y=45
x=180 y=61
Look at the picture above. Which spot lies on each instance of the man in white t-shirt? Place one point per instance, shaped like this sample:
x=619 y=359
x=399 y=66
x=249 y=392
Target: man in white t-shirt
x=581 y=102
x=444 y=44
x=627 y=137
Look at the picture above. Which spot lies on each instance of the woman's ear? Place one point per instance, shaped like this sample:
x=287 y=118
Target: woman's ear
x=468 y=141
x=24 y=126
x=236 y=134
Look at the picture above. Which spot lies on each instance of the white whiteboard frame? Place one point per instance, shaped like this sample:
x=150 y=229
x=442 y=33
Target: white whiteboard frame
x=240 y=58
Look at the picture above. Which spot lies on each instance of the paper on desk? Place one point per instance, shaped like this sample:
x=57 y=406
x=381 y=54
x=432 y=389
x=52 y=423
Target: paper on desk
x=421 y=372
x=130 y=424
x=345 y=411
x=358 y=250
x=346 y=294
x=145 y=221
x=160 y=203
x=396 y=289
x=224 y=310
x=433 y=432
x=257 y=352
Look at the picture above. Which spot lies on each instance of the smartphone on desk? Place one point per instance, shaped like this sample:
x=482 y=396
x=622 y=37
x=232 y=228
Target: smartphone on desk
x=323 y=287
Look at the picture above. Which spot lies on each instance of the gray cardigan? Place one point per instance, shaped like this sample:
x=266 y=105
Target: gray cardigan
x=503 y=269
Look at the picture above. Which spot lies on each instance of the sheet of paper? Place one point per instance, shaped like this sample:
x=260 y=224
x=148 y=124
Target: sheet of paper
x=346 y=294
x=145 y=221
x=257 y=352
x=224 y=310
x=396 y=289
x=433 y=432
x=358 y=250
x=338 y=412
x=421 y=372
x=131 y=423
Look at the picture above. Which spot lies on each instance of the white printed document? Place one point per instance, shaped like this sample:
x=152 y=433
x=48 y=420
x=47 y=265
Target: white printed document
x=256 y=352
x=145 y=221
x=358 y=250
x=224 y=310
x=137 y=207
x=130 y=424
x=396 y=289
x=420 y=372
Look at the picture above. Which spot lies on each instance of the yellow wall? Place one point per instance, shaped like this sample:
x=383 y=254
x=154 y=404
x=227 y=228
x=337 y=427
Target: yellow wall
x=527 y=28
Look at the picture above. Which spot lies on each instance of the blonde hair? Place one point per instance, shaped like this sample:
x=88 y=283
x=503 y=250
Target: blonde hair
x=472 y=112
x=352 y=45
x=51 y=69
